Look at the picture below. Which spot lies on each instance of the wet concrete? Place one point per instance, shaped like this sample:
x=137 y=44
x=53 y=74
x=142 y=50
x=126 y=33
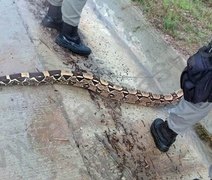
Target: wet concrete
x=60 y=132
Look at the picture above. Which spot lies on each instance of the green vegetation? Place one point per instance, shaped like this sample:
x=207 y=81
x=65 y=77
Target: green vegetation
x=189 y=22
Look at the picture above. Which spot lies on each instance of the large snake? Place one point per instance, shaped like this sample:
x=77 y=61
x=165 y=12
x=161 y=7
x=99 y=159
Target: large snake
x=90 y=82
x=104 y=88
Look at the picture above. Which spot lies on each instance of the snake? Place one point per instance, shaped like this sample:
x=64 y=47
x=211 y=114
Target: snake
x=89 y=81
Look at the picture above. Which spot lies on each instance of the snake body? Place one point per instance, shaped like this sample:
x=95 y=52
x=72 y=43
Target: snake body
x=90 y=82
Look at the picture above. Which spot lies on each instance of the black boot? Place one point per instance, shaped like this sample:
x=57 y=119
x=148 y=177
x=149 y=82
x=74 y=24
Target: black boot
x=53 y=19
x=69 y=38
x=163 y=136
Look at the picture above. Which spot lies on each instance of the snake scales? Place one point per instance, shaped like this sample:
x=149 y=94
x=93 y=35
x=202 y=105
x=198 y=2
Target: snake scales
x=90 y=82
x=104 y=88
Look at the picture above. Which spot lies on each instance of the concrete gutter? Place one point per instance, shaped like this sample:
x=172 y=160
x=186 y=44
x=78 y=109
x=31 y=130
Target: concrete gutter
x=50 y=132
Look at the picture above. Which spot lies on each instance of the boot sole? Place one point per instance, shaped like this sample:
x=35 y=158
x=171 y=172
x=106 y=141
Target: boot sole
x=67 y=46
x=158 y=144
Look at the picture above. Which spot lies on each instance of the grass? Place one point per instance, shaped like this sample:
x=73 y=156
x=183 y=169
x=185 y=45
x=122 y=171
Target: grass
x=188 y=22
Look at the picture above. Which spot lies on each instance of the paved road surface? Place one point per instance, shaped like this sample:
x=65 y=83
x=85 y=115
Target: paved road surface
x=60 y=132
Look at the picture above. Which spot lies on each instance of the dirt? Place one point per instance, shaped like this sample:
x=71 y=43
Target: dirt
x=127 y=143
x=128 y=146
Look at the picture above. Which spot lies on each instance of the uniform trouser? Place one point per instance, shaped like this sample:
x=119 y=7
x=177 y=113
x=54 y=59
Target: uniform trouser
x=185 y=115
x=71 y=10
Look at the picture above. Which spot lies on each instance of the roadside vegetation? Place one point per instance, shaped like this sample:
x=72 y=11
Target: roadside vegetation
x=187 y=22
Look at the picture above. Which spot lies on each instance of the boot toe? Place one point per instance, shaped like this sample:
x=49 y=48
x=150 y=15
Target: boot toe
x=161 y=145
x=74 y=46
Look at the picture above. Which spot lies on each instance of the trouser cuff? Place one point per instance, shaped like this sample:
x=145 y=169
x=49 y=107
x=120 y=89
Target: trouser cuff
x=55 y=2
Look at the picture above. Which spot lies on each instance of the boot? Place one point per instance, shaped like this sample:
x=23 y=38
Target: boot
x=53 y=19
x=69 y=38
x=163 y=136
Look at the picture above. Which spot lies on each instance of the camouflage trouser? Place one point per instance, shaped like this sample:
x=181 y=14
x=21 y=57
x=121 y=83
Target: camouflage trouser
x=71 y=10
x=185 y=115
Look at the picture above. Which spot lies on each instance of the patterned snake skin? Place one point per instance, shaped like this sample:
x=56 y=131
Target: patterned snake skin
x=90 y=82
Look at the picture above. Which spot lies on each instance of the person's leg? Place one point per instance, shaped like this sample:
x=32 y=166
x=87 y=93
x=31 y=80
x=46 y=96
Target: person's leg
x=56 y=2
x=69 y=38
x=186 y=114
x=182 y=117
x=53 y=19
x=71 y=13
x=72 y=10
